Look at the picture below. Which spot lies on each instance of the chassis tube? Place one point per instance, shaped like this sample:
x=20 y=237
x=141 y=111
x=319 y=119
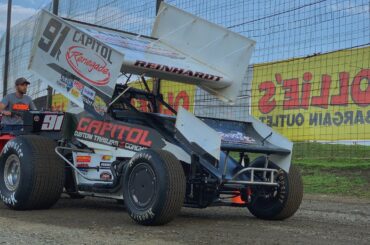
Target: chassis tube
x=72 y=165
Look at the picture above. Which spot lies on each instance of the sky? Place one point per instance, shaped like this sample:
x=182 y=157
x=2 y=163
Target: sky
x=21 y=9
x=313 y=26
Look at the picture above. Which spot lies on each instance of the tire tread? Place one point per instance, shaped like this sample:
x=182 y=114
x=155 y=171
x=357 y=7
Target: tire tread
x=176 y=187
x=48 y=173
x=295 y=194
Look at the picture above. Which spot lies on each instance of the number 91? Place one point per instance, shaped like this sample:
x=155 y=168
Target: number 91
x=50 y=33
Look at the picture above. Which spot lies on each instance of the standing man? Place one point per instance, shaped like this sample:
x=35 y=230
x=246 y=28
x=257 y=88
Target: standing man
x=13 y=104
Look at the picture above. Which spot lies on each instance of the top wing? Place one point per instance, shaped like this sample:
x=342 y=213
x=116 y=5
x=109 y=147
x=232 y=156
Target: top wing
x=224 y=52
x=83 y=61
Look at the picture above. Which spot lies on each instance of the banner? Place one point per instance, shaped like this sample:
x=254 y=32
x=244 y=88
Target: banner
x=175 y=94
x=59 y=103
x=324 y=97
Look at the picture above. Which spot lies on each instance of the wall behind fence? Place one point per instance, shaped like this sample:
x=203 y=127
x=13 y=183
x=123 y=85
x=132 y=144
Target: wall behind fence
x=311 y=60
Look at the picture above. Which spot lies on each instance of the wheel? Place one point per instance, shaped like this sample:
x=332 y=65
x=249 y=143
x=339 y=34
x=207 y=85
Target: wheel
x=277 y=203
x=31 y=174
x=154 y=187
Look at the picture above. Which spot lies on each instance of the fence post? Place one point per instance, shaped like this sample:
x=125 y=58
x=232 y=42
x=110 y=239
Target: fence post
x=7 y=45
x=49 y=97
x=157 y=81
x=157 y=5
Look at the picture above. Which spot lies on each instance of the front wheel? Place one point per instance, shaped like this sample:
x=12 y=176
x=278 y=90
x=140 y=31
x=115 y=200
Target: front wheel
x=277 y=203
x=154 y=187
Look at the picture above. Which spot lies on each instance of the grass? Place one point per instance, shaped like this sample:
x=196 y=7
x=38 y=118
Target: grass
x=341 y=183
x=334 y=169
x=328 y=156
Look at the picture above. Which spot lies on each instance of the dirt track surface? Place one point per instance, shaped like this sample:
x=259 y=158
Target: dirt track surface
x=320 y=220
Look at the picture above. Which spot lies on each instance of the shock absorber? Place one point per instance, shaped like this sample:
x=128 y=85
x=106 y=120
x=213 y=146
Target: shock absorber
x=266 y=165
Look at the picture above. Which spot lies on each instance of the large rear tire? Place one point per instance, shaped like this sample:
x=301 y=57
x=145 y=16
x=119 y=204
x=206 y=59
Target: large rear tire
x=154 y=187
x=31 y=174
x=282 y=202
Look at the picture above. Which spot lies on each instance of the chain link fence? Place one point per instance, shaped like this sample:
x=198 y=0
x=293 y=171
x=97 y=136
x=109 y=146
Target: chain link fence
x=309 y=77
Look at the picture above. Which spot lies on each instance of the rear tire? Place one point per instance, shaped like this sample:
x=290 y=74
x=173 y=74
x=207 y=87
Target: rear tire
x=154 y=187
x=285 y=201
x=31 y=174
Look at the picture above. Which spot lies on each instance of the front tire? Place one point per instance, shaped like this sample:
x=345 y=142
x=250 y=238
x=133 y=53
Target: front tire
x=282 y=202
x=154 y=187
x=31 y=174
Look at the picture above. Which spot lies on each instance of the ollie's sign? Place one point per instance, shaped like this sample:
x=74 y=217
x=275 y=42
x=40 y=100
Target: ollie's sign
x=325 y=97
x=91 y=68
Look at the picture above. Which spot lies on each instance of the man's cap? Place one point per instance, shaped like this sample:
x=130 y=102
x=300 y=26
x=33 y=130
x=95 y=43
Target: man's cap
x=21 y=80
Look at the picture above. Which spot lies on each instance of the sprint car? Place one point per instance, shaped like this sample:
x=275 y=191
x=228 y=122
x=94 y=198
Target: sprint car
x=107 y=147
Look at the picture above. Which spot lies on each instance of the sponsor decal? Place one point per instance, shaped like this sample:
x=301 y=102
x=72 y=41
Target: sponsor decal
x=83 y=159
x=90 y=67
x=105 y=165
x=61 y=84
x=81 y=91
x=105 y=176
x=106 y=157
x=177 y=71
x=36 y=118
x=82 y=165
x=8 y=200
x=113 y=134
x=102 y=50
x=236 y=138
x=12 y=145
x=78 y=85
x=133 y=44
x=87 y=101
x=65 y=82
x=88 y=92
x=76 y=93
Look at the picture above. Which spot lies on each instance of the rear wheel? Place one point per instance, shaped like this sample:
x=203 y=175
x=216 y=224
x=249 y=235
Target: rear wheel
x=277 y=203
x=31 y=174
x=154 y=187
